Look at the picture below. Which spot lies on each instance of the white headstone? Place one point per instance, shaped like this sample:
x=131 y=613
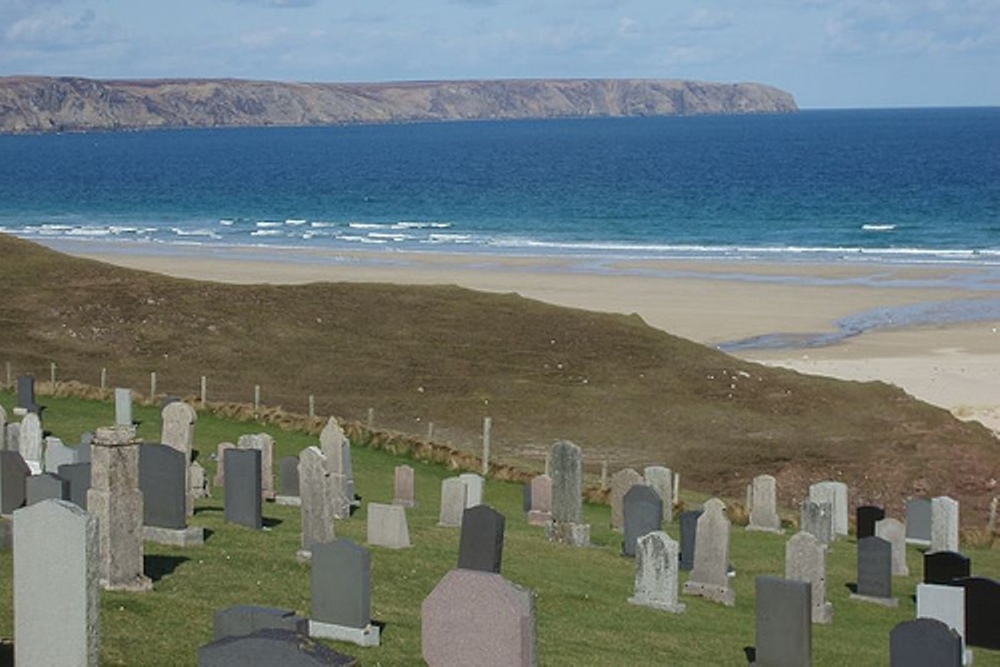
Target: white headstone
x=656 y=572
x=710 y=575
x=834 y=493
x=894 y=532
x=764 y=505
x=805 y=560
x=473 y=488
x=944 y=524
x=30 y=442
x=662 y=481
x=945 y=604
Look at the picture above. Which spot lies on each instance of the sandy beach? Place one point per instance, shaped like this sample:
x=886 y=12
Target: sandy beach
x=953 y=365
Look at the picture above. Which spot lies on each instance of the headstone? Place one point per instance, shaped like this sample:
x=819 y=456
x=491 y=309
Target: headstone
x=387 y=526
x=782 y=619
x=57 y=454
x=834 y=493
x=473 y=489
x=55 y=578
x=453 y=492
x=317 y=497
x=243 y=500
x=918 y=521
x=220 y=463
x=945 y=604
x=30 y=442
x=3 y=429
x=264 y=443
x=893 y=532
x=14 y=473
x=242 y=620
x=26 y=394
x=566 y=470
x=78 y=476
x=403 y=487
x=123 y=406
x=14 y=437
x=944 y=524
x=199 y=483
x=526 y=496
x=540 y=509
x=271 y=647
x=177 y=431
x=805 y=560
x=461 y=606
x=875 y=572
x=817 y=520
x=116 y=500
x=710 y=574
x=341 y=593
x=47 y=486
x=924 y=642
x=982 y=611
x=656 y=573
x=480 y=546
x=621 y=482
x=337 y=450
x=940 y=567
x=288 y=482
x=764 y=505
x=161 y=479
x=643 y=510
x=689 y=533
x=866 y=516
x=662 y=481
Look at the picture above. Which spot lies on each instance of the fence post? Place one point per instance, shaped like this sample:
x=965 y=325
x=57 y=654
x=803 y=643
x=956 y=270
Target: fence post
x=204 y=391
x=604 y=474
x=104 y=379
x=256 y=399
x=487 y=436
x=312 y=406
x=10 y=377
x=52 y=374
x=430 y=431
x=371 y=418
x=152 y=386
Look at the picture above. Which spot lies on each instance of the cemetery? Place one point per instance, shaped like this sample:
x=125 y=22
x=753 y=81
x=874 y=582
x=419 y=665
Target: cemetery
x=311 y=548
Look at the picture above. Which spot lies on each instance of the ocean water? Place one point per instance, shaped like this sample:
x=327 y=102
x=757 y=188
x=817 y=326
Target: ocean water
x=915 y=185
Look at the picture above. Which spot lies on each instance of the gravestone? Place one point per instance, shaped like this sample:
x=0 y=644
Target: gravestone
x=834 y=493
x=473 y=489
x=243 y=500
x=662 y=481
x=288 y=482
x=404 y=492
x=56 y=597
x=782 y=620
x=940 y=567
x=453 y=492
x=893 y=532
x=945 y=604
x=337 y=450
x=480 y=546
x=3 y=429
x=271 y=647
x=982 y=611
x=540 y=507
x=875 y=572
x=918 y=521
x=621 y=482
x=805 y=560
x=115 y=499
x=263 y=443
x=58 y=454
x=47 y=486
x=710 y=574
x=656 y=573
x=689 y=533
x=26 y=394
x=526 y=497
x=387 y=526
x=764 y=505
x=123 y=406
x=944 y=524
x=566 y=470
x=817 y=520
x=14 y=473
x=317 y=497
x=30 y=442
x=199 y=483
x=78 y=476
x=177 y=431
x=462 y=605
x=924 y=642
x=865 y=517
x=643 y=511
x=341 y=586
x=241 y=620
x=161 y=479
x=220 y=463
x=14 y=437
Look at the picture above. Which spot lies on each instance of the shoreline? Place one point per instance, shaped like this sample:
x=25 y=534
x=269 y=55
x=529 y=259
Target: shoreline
x=952 y=364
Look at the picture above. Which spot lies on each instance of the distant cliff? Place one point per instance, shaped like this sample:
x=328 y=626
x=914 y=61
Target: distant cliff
x=44 y=104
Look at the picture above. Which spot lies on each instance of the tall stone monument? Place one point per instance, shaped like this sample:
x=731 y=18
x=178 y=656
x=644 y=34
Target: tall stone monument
x=566 y=470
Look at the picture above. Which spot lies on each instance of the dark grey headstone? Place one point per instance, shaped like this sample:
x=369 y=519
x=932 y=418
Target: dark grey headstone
x=6 y=540
x=526 y=497
x=288 y=476
x=162 y=475
x=941 y=567
x=875 y=567
x=14 y=473
x=866 y=516
x=918 y=519
x=243 y=501
x=341 y=583
x=78 y=476
x=642 y=508
x=244 y=619
x=44 y=487
x=689 y=529
x=270 y=647
x=26 y=393
x=982 y=611
x=783 y=615
x=924 y=642
x=481 y=544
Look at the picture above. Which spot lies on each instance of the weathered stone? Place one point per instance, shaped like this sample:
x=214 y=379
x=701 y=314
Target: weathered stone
x=924 y=642
x=263 y=443
x=893 y=532
x=243 y=499
x=30 y=442
x=123 y=406
x=177 y=431
x=710 y=574
x=387 y=526
x=540 y=510
x=453 y=496
x=621 y=482
x=875 y=572
x=782 y=620
x=566 y=470
x=656 y=573
x=662 y=481
x=805 y=560
x=763 y=505
x=643 y=515
x=480 y=546
x=944 y=524
x=337 y=450
x=220 y=463
x=316 y=492
x=834 y=493
x=14 y=437
x=199 y=482
x=404 y=492
x=817 y=520
x=341 y=586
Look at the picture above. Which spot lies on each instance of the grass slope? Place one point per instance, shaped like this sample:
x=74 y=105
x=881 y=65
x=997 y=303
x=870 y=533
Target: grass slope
x=619 y=388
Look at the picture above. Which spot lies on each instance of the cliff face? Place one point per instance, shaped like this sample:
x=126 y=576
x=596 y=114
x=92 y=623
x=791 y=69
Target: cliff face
x=44 y=104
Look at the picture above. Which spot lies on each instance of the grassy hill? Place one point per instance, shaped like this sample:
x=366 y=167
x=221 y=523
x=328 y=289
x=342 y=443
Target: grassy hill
x=618 y=387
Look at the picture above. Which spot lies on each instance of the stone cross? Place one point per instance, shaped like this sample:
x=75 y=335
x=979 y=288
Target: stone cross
x=656 y=573
x=764 y=505
x=805 y=560
x=621 y=482
x=710 y=574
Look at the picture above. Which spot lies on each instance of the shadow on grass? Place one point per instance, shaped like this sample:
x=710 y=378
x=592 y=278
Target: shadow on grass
x=851 y=586
x=157 y=567
x=270 y=522
x=208 y=508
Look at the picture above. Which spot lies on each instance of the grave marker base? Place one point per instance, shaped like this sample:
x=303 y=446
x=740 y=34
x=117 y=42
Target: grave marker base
x=366 y=636
x=289 y=501
x=539 y=518
x=654 y=604
x=192 y=536
x=574 y=534
x=721 y=594
x=885 y=602
x=141 y=584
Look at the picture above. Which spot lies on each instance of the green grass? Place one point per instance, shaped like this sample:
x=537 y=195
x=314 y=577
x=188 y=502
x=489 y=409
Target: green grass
x=583 y=616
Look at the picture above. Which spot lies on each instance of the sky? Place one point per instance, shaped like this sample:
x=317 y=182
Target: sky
x=827 y=53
